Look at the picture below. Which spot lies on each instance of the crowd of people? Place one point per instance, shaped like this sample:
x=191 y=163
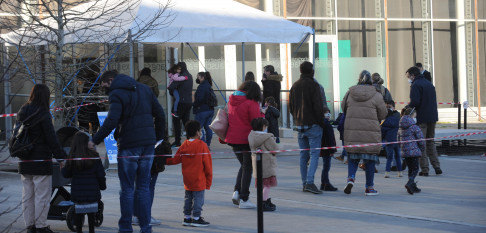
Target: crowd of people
x=368 y=117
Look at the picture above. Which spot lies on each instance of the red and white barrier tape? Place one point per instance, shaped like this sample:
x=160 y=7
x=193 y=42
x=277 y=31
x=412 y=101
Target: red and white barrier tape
x=288 y=150
x=59 y=109
x=477 y=114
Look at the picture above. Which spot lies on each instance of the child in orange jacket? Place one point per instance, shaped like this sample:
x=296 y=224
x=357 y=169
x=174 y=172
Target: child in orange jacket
x=197 y=173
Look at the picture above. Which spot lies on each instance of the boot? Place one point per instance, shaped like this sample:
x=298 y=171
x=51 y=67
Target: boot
x=328 y=187
x=270 y=203
x=409 y=187
x=415 y=188
x=267 y=206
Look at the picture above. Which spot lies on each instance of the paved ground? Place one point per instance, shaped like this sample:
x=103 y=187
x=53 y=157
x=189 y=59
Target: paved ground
x=452 y=202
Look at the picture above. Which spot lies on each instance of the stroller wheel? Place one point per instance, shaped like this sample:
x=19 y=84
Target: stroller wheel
x=99 y=215
x=70 y=219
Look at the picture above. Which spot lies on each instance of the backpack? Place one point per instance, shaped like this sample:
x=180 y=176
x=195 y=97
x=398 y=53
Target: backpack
x=212 y=100
x=20 y=144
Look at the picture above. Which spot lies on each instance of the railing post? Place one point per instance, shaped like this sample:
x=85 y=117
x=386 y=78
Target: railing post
x=259 y=191
x=458 y=116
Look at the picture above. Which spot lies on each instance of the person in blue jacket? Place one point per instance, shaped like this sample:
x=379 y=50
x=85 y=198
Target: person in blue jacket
x=389 y=132
x=202 y=109
x=134 y=110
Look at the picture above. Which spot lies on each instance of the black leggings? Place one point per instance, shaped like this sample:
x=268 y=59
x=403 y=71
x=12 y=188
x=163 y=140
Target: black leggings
x=413 y=167
x=79 y=222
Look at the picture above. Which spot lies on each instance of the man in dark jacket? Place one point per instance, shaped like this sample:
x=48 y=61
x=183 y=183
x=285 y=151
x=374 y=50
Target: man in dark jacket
x=271 y=84
x=423 y=99
x=185 y=103
x=133 y=108
x=308 y=113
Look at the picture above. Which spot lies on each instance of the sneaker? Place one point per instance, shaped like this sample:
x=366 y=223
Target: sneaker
x=199 y=223
x=328 y=187
x=44 y=230
x=236 y=198
x=312 y=188
x=409 y=188
x=349 y=186
x=387 y=175
x=154 y=222
x=438 y=171
x=135 y=221
x=31 y=229
x=268 y=206
x=246 y=205
x=415 y=188
x=187 y=222
x=371 y=192
x=174 y=115
x=423 y=174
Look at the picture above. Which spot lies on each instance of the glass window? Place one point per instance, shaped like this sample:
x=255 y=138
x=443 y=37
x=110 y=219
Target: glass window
x=482 y=62
x=362 y=37
x=481 y=9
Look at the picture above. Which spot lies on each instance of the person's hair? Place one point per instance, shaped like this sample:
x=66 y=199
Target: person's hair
x=111 y=74
x=173 y=69
x=413 y=71
x=418 y=65
x=191 y=128
x=146 y=71
x=206 y=76
x=306 y=68
x=391 y=102
x=39 y=96
x=79 y=149
x=376 y=78
x=271 y=101
x=249 y=76
x=365 y=78
x=407 y=111
x=252 y=90
x=269 y=68
x=258 y=123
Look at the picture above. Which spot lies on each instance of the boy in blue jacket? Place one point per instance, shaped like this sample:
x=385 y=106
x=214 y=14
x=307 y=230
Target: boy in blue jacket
x=389 y=132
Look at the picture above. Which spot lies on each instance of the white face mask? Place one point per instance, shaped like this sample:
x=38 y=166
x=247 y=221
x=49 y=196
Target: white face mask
x=414 y=120
x=410 y=81
x=391 y=109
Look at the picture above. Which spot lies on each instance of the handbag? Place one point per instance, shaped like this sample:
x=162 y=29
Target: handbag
x=220 y=124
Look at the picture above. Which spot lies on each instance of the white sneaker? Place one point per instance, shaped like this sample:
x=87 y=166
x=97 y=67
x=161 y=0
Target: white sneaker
x=236 y=198
x=154 y=222
x=246 y=204
x=135 y=221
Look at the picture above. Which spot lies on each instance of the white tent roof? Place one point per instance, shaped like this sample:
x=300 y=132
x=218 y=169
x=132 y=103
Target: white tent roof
x=192 y=21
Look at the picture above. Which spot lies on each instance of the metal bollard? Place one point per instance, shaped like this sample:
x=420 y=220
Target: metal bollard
x=458 y=116
x=259 y=191
x=466 y=106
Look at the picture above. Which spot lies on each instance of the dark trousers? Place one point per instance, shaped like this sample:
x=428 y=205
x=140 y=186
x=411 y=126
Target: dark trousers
x=413 y=167
x=326 y=166
x=79 y=222
x=243 y=179
x=183 y=111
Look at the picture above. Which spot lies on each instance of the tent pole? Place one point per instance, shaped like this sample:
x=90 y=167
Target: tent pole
x=242 y=61
x=130 y=56
x=182 y=52
x=300 y=45
x=314 y=47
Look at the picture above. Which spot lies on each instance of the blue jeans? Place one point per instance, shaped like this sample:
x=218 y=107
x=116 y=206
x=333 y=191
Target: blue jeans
x=326 y=166
x=393 y=152
x=204 y=119
x=309 y=139
x=175 y=93
x=370 y=170
x=193 y=202
x=134 y=166
x=153 y=180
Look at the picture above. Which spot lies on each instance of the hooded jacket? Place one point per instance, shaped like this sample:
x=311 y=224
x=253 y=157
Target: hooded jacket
x=364 y=108
x=389 y=128
x=45 y=142
x=271 y=87
x=265 y=142
x=305 y=102
x=201 y=98
x=423 y=98
x=133 y=108
x=272 y=114
x=410 y=131
x=197 y=168
x=241 y=111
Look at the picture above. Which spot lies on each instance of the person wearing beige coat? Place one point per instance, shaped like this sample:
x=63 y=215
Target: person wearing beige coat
x=365 y=109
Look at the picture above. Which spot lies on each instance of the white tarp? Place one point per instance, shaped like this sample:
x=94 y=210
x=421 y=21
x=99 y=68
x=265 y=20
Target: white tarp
x=192 y=21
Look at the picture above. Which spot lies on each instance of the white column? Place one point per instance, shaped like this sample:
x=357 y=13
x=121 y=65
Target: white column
x=202 y=58
x=461 y=51
x=335 y=77
x=286 y=71
x=230 y=68
x=258 y=58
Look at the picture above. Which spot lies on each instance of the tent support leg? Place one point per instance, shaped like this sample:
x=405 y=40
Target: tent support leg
x=242 y=61
x=314 y=47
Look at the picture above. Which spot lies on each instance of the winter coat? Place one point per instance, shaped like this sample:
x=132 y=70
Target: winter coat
x=184 y=87
x=133 y=107
x=266 y=142
x=45 y=142
x=86 y=184
x=364 y=108
x=423 y=98
x=272 y=114
x=389 y=128
x=197 y=165
x=271 y=87
x=150 y=82
x=328 y=139
x=241 y=111
x=410 y=131
x=201 y=98
x=305 y=102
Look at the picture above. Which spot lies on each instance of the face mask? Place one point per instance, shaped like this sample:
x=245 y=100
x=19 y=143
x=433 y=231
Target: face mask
x=198 y=81
x=391 y=109
x=410 y=81
x=414 y=120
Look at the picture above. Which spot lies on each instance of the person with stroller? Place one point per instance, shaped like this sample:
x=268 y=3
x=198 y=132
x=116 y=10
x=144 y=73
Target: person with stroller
x=37 y=176
x=87 y=179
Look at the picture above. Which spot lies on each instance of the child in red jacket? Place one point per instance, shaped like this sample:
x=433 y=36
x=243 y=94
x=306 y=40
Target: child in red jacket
x=197 y=173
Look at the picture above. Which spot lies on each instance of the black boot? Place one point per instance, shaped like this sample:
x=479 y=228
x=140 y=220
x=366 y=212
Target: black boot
x=31 y=229
x=267 y=206
x=269 y=200
x=415 y=188
x=409 y=187
x=328 y=187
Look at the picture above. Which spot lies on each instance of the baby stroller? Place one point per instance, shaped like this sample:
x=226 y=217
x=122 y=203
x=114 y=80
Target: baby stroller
x=62 y=208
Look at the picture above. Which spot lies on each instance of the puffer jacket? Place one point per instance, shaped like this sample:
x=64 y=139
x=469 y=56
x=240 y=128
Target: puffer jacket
x=410 y=131
x=389 y=128
x=364 y=108
x=133 y=108
x=266 y=142
x=271 y=87
x=45 y=144
x=241 y=111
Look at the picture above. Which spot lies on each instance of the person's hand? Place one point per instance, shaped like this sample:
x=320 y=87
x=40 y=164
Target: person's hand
x=91 y=145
